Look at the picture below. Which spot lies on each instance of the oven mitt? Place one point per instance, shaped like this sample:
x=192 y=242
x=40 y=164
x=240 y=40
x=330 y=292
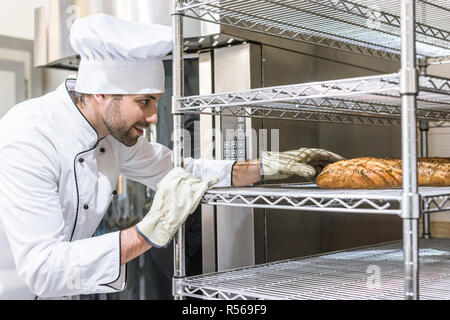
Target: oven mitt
x=304 y=162
x=177 y=195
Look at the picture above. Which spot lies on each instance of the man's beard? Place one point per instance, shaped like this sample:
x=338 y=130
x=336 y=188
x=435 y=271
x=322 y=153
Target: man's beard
x=116 y=126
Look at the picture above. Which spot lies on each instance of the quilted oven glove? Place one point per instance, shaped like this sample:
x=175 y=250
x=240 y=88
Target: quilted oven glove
x=305 y=162
x=177 y=195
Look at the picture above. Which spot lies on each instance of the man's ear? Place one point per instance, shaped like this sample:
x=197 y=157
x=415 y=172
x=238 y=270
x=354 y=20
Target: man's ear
x=100 y=98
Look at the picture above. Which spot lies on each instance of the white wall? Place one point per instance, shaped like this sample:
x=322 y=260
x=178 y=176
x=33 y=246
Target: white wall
x=17 y=17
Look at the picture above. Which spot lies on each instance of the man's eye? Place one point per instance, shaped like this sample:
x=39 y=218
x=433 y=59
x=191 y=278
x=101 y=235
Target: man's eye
x=144 y=102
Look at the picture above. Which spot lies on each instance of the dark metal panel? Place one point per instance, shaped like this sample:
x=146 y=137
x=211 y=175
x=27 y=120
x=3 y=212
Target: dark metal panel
x=342 y=231
x=292 y=234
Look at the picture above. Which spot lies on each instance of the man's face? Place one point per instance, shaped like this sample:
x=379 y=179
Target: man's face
x=127 y=116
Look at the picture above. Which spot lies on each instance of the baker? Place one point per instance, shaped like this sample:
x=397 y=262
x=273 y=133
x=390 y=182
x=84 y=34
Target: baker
x=62 y=154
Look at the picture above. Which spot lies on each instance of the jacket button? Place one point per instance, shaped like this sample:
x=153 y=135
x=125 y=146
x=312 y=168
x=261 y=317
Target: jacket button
x=114 y=192
x=81 y=160
x=102 y=150
x=86 y=207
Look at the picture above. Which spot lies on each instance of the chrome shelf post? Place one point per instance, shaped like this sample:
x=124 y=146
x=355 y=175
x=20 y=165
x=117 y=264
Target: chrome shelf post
x=410 y=197
x=178 y=92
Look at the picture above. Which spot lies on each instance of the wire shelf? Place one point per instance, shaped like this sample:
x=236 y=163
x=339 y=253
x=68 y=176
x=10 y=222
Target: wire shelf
x=363 y=100
x=309 y=197
x=365 y=26
x=373 y=272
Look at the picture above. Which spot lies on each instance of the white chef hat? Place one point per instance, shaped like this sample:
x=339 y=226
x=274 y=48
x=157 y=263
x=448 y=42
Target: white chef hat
x=118 y=56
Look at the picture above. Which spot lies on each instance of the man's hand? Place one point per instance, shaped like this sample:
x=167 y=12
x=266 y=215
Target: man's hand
x=303 y=162
x=177 y=195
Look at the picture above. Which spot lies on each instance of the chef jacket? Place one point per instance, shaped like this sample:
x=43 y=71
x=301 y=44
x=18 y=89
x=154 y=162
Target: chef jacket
x=57 y=180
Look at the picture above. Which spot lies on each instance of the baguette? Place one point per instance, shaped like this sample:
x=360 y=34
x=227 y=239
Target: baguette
x=377 y=173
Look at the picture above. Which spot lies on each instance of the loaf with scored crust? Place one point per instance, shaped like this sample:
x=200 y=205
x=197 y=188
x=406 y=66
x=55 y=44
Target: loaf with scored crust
x=379 y=173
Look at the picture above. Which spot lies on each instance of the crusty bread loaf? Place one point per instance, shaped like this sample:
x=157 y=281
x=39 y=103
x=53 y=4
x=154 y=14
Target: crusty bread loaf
x=377 y=173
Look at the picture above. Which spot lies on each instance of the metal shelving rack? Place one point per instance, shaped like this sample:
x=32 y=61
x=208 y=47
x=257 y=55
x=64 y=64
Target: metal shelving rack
x=410 y=31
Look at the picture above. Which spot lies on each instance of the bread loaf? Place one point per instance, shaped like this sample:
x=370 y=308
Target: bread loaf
x=377 y=173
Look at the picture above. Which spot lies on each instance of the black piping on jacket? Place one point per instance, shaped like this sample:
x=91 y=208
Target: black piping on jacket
x=74 y=160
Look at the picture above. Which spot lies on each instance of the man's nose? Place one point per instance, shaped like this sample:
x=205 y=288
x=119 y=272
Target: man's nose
x=153 y=119
x=152 y=116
